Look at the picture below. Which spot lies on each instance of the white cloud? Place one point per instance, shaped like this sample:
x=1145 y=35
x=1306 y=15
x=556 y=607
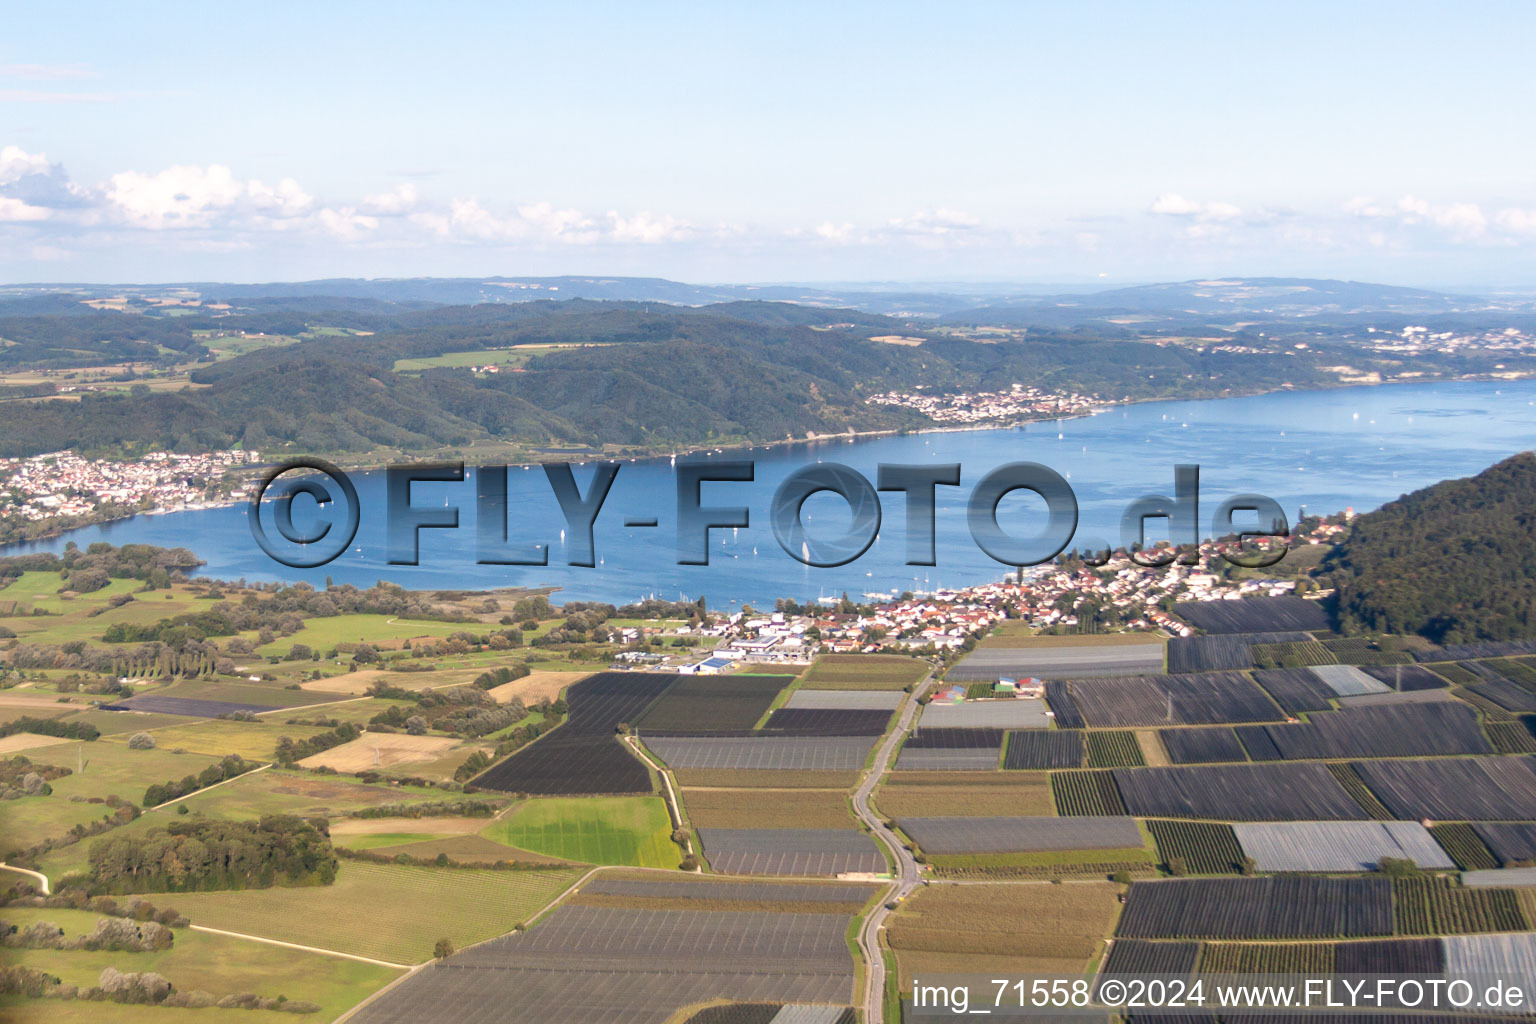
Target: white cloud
x=1171 y=204
x=13 y=210
x=1174 y=205
x=200 y=197
x=16 y=163
x=1517 y=221
x=402 y=200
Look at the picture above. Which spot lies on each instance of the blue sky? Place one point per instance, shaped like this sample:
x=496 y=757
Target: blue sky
x=753 y=142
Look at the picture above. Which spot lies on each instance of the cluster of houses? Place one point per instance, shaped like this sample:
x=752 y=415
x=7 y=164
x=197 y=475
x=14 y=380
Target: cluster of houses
x=64 y=485
x=1018 y=402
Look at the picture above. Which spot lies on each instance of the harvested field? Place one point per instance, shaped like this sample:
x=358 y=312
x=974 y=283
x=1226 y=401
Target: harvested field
x=357 y=683
x=1202 y=746
x=1509 y=844
x=787 y=851
x=863 y=672
x=853 y=700
x=964 y=794
x=1022 y=928
x=1254 y=615
x=764 y=753
x=380 y=750
x=730 y=778
x=1021 y=835
x=1206 y=848
x=28 y=741
x=1258 y=908
x=584 y=756
x=1138 y=956
x=583 y=964
x=1295 y=689
x=375 y=909
x=1434 y=906
x=828 y=722
x=1037 y=751
x=1210 y=698
x=992 y=660
x=1406 y=678
x=1339 y=845
x=1315 y=958
x=1118 y=749
x=471 y=849
x=1250 y=792
x=1437 y=729
x=1455 y=789
x=707 y=703
x=1086 y=793
x=1465 y=846
x=767 y=808
x=1002 y=713
x=537 y=686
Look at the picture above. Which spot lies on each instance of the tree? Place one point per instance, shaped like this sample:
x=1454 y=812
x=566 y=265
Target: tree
x=443 y=950
x=141 y=741
x=416 y=725
x=300 y=652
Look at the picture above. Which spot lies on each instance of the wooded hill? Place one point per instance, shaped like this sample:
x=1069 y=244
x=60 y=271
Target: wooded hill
x=1455 y=562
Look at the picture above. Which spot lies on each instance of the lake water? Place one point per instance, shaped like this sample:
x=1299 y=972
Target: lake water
x=1325 y=451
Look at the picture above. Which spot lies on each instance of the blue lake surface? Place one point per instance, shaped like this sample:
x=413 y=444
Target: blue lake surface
x=1325 y=451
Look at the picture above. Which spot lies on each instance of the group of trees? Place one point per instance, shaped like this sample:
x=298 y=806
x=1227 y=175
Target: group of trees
x=230 y=767
x=290 y=750
x=205 y=853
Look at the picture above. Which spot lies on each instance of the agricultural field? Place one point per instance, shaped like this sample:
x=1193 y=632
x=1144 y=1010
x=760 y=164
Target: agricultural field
x=711 y=703
x=376 y=751
x=767 y=808
x=1454 y=789
x=850 y=700
x=1086 y=793
x=593 y=830
x=1002 y=713
x=1258 y=908
x=1209 y=698
x=1437 y=729
x=537 y=686
x=1295 y=689
x=1060 y=657
x=375 y=910
x=1205 y=848
x=254 y=741
x=613 y=962
x=1509 y=843
x=743 y=778
x=790 y=851
x=763 y=752
x=197 y=961
x=1114 y=750
x=1020 y=929
x=964 y=794
x=1248 y=792
x=1202 y=746
x=1254 y=615
x=827 y=722
x=1038 y=751
x=584 y=756
x=1137 y=956
x=1407 y=678
x=1023 y=835
x=863 y=672
x=1338 y=845
x=1272 y=957
x=1465 y=846
x=947 y=749
x=1435 y=906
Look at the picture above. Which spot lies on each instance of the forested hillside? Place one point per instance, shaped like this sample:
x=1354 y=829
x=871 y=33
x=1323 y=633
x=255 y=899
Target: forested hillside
x=1455 y=562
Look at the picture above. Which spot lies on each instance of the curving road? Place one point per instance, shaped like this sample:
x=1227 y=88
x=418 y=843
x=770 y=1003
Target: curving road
x=908 y=876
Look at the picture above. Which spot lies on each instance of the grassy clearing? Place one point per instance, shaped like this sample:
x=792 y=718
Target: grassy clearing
x=388 y=911
x=631 y=830
x=863 y=672
x=1021 y=928
x=965 y=795
x=380 y=630
x=767 y=808
x=251 y=740
x=215 y=964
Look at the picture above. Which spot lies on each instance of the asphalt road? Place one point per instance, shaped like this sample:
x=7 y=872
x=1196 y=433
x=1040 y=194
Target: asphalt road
x=908 y=876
